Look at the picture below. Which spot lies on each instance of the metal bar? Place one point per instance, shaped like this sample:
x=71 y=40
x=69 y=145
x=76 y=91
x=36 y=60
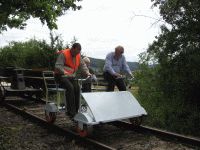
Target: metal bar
x=56 y=129
x=170 y=135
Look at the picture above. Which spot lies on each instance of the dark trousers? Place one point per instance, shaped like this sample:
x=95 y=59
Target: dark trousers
x=112 y=81
x=86 y=87
x=72 y=94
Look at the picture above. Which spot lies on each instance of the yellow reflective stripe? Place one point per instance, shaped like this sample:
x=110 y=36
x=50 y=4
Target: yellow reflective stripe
x=68 y=70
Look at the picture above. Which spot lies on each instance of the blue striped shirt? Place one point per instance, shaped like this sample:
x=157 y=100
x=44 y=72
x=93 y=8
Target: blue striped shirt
x=116 y=66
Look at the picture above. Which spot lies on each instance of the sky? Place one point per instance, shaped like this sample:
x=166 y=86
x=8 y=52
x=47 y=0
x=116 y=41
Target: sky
x=99 y=27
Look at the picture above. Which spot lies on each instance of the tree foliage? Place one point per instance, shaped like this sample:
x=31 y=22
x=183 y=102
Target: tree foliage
x=178 y=48
x=31 y=54
x=14 y=13
x=176 y=75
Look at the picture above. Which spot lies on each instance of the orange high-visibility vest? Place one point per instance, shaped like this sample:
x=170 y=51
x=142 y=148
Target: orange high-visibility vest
x=70 y=66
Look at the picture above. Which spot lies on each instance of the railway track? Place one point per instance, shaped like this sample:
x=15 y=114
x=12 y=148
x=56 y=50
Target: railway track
x=108 y=136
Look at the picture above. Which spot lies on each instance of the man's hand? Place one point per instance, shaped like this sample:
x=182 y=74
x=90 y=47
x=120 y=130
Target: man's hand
x=130 y=77
x=94 y=78
x=117 y=75
x=88 y=74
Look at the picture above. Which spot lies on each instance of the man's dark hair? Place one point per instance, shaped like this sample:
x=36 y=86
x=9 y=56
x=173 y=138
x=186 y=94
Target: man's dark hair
x=76 y=45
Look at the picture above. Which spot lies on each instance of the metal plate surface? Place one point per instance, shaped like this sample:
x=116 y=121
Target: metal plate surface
x=110 y=106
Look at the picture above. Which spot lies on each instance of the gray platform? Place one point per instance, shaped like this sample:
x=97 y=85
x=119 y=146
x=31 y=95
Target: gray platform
x=111 y=106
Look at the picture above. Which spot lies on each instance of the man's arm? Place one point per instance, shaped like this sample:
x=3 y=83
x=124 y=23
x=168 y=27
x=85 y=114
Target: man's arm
x=108 y=65
x=59 y=65
x=84 y=68
x=126 y=67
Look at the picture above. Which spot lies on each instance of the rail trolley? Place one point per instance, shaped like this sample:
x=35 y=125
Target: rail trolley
x=12 y=84
x=100 y=107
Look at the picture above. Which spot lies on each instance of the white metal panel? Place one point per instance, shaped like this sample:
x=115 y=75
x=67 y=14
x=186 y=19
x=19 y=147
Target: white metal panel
x=110 y=106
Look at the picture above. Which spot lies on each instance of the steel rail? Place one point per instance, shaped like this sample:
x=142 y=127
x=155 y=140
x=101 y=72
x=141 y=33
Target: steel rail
x=56 y=129
x=193 y=141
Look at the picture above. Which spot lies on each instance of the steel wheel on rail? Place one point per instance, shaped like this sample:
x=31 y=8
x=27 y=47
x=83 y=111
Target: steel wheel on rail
x=137 y=121
x=50 y=116
x=2 y=93
x=86 y=131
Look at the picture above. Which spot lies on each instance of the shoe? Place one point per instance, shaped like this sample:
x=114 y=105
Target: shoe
x=69 y=115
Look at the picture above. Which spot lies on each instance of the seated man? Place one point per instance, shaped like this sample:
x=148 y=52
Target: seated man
x=67 y=64
x=115 y=63
x=86 y=87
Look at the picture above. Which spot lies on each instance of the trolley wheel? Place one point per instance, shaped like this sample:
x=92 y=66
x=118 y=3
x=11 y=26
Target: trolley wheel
x=136 y=121
x=50 y=117
x=86 y=131
x=27 y=95
x=38 y=95
x=2 y=93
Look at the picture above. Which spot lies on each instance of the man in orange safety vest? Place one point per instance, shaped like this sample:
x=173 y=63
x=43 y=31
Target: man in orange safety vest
x=66 y=66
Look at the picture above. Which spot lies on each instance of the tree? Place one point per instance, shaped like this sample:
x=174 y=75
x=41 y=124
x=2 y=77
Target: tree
x=14 y=13
x=170 y=89
x=33 y=53
x=178 y=49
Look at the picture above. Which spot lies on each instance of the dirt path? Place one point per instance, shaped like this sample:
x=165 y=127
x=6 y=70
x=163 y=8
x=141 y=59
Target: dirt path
x=16 y=133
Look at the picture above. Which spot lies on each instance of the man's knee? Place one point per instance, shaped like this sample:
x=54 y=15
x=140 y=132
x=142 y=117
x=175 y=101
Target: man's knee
x=67 y=85
x=121 y=85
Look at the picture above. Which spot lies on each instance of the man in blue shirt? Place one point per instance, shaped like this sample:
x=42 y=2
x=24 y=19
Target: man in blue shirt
x=115 y=64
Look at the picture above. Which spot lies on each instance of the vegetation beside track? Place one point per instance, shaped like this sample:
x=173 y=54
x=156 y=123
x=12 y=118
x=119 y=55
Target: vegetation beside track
x=169 y=73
